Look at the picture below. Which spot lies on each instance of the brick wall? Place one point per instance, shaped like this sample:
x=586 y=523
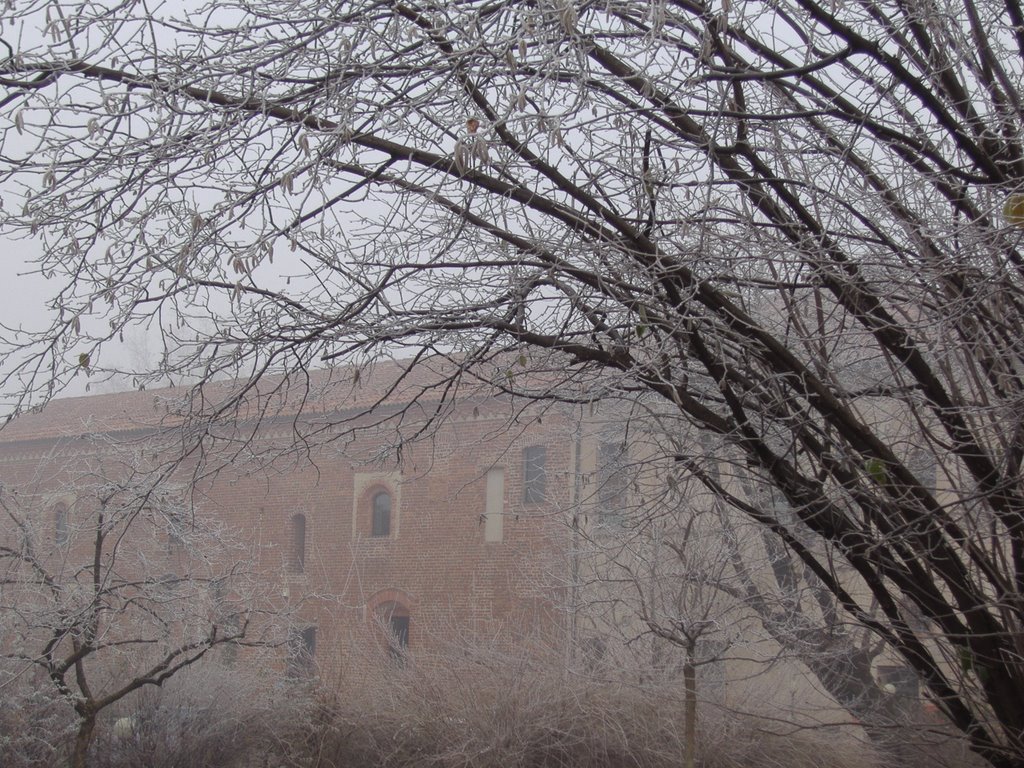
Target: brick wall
x=435 y=561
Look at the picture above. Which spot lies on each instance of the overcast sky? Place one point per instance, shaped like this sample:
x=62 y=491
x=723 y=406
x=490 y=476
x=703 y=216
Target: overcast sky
x=23 y=298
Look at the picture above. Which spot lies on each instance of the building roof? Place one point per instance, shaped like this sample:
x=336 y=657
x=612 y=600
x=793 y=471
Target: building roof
x=350 y=389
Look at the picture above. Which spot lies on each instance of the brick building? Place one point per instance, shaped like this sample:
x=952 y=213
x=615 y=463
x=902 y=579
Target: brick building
x=371 y=501
x=386 y=510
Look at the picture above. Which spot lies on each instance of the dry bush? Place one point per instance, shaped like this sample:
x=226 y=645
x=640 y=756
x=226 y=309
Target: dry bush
x=209 y=717
x=35 y=724
x=734 y=741
x=485 y=708
x=472 y=706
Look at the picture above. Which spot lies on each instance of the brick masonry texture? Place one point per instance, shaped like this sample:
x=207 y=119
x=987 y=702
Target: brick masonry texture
x=434 y=563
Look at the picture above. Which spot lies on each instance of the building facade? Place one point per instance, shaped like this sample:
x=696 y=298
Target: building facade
x=372 y=513
x=383 y=516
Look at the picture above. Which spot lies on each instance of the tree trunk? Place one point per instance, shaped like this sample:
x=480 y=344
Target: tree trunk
x=689 y=707
x=848 y=679
x=83 y=740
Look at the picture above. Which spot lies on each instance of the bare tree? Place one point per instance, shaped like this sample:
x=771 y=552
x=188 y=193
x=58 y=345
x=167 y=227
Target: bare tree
x=668 y=580
x=666 y=554
x=795 y=223
x=114 y=586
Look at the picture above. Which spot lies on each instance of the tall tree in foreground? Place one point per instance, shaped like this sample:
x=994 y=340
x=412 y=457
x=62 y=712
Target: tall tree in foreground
x=795 y=224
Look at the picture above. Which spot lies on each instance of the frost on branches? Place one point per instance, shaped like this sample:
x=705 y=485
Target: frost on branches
x=793 y=225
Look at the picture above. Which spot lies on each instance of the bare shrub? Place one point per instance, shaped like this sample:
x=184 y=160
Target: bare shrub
x=482 y=707
x=35 y=724
x=213 y=717
x=471 y=706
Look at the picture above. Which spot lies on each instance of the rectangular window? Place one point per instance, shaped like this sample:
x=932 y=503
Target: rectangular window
x=534 y=473
x=176 y=529
x=493 y=505
x=301 y=650
x=229 y=651
x=613 y=483
x=61 y=534
x=297 y=558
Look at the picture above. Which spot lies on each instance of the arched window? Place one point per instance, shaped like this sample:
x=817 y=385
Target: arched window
x=301 y=653
x=297 y=556
x=394 y=620
x=381 y=525
x=61 y=534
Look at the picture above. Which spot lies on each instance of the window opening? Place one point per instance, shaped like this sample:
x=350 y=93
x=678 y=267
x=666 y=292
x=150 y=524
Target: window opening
x=534 y=473
x=175 y=536
x=398 y=628
x=61 y=533
x=381 y=525
x=494 y=502
x=301 y=651
x=613 y=483
x=297 y=559
x=394 y=620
